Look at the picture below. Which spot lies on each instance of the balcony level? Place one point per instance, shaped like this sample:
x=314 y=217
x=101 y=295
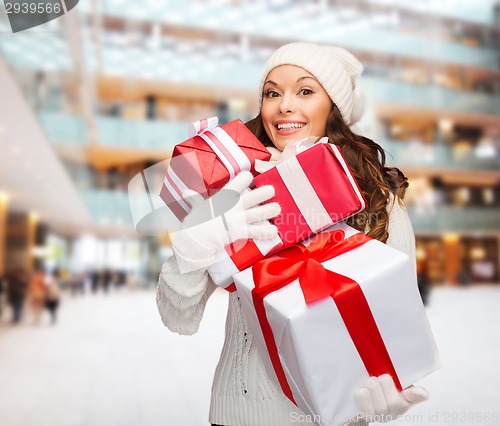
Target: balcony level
x=387 y=91
x=120 y=54
x=447 y=218
x=467 y=12
x=112 y=207
x=413 y=155
x=69 y=130
x=258 y=24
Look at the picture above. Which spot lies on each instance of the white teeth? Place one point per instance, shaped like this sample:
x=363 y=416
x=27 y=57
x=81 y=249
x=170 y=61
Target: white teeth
x=288 y=126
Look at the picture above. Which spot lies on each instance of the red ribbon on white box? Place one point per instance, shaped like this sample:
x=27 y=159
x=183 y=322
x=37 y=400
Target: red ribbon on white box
x=229 y=262
x=304 y=262
x=227 y=150
x=235 y=257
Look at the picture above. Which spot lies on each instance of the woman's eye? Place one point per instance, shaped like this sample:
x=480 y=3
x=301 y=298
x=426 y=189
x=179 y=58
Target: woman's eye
x=271 y=94
x=306 y=92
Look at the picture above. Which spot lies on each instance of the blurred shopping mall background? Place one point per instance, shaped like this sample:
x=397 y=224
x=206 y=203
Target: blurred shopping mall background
x=92 y=99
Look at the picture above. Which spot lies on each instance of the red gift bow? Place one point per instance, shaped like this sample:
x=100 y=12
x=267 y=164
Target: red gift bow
x=317 y=283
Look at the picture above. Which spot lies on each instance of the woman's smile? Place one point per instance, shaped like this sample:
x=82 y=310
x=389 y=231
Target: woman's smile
x=286 y=128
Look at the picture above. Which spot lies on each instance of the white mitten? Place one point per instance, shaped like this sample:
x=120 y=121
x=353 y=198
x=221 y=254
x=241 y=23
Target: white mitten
x=230 y=215
x=380 y=401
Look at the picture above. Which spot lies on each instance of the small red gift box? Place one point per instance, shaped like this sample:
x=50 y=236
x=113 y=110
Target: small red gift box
x=315 y=189
x=208 y=160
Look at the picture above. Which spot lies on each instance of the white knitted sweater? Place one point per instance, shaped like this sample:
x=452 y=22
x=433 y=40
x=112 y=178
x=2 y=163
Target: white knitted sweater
x=242 y=394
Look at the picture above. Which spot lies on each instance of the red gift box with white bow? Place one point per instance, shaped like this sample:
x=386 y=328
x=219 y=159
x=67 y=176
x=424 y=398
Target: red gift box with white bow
x=323 y=324
x=315 y=189
x=208 y=160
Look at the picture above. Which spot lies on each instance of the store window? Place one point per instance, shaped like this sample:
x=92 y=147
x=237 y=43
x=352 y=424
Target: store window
x=481 y=259
x=430 y=259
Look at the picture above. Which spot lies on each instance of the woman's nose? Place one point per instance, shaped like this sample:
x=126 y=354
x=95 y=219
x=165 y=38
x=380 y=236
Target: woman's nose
x=286 y=105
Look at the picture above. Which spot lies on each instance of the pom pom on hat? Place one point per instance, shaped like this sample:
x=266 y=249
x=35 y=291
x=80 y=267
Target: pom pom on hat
x=335 y=68
x=358 y=105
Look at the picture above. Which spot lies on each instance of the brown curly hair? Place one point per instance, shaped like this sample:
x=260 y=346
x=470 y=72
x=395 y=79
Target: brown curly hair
x=366 y=160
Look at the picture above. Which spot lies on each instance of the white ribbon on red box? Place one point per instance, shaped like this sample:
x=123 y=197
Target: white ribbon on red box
x=227 y=150
x=300 y=187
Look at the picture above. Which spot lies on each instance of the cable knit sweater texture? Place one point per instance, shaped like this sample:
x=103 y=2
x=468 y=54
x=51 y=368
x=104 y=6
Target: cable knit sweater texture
x=242 y=394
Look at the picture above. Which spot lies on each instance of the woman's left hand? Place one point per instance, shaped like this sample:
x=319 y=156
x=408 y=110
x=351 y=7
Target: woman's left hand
x=379 y=400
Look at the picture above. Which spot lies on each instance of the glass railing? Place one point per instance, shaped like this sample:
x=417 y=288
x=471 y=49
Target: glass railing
x=70 y=129
x=412 y=154
x=464 y=10
x=383 y=90
x=63 y=127
x=454 y=218
x=108 y=207
x=145 y=134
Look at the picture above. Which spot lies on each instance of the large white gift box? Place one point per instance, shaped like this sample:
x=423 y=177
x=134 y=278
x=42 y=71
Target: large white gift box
x=322 y=327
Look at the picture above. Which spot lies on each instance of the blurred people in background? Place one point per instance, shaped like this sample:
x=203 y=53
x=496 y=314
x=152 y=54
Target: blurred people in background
x=36 y=294
x=463 y=277
x=41 y=90
x=52 y=295
x=423 y=285
x=77 y=284
x=17 y=287
x=121 y=279
x=106 y=277
x=94 y=281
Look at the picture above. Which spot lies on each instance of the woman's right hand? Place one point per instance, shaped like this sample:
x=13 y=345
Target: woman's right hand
x=230 y=215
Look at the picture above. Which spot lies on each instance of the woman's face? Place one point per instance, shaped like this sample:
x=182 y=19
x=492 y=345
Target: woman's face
x=294 y=106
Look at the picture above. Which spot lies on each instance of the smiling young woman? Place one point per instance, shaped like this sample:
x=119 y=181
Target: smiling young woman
x=305 y=90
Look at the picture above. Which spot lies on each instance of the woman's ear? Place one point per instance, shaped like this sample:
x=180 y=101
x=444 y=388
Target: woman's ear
x=275 y=153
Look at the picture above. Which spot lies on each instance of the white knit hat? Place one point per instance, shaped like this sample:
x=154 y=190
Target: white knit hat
x=335 y=68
